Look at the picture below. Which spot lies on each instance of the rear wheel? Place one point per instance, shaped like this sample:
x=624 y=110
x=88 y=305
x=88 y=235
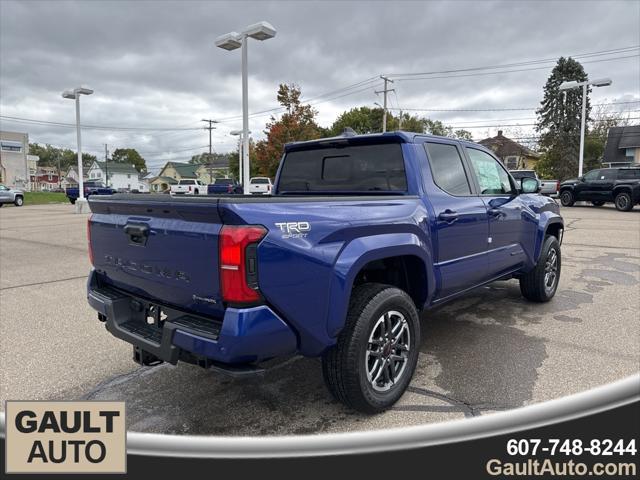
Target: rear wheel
x=541 y=283
x=73 y=201
x=372 y=364
x=623 y=202
x=597 y=203
x=566 y=198
x=18 y=201
x=196 y=192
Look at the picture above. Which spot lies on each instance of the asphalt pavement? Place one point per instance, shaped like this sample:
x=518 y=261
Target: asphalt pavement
x=488 y=351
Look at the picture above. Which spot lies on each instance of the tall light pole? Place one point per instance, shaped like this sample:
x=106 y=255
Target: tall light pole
x=231 y=41
x=603 y=82
x=81 y=203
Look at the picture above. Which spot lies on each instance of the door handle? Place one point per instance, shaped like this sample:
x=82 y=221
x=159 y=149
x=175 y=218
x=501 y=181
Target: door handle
x=495 y=212
x=448 y=216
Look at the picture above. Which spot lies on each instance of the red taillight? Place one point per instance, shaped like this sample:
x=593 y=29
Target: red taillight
x=89 y=239
x=238 y=263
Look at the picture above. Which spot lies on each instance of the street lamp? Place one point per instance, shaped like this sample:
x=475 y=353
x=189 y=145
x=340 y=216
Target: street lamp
x=231 y=41
x=81 y=203
x=238 y=133
x=602 y=82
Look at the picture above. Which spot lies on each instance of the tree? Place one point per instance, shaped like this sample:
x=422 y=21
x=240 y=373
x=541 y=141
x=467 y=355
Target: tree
x=463 y=135
x=594 y=143
x=559 y=119
x=296 y=124
x=130 y=156
x=62 y=158
x=436 y=127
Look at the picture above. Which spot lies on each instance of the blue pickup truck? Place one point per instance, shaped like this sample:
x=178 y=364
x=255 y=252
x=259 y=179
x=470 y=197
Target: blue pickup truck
x=90 y=187
x=361 y=233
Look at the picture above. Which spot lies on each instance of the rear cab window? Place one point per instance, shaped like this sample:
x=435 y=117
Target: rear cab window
x=447 y=168
x=187 y=182
x=377 y=168
x=629 y=174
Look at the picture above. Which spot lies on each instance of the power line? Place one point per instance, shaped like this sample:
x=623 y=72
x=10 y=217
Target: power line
x=500 y=109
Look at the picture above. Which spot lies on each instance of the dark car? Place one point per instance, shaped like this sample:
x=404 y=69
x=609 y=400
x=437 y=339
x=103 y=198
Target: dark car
x=224 y=186
x=618 y=185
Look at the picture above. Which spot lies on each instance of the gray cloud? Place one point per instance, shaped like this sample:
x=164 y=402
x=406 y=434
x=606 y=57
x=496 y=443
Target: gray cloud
x=154 y=63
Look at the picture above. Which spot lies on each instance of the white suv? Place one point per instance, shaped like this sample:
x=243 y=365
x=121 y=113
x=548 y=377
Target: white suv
x=189 y=187
x=260 y=186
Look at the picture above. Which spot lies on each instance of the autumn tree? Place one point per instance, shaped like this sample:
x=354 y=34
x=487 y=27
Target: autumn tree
x=559 y=119
x=297 y=123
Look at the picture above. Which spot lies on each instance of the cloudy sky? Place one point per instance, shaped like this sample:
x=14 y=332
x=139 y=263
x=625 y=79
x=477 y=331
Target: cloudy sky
x=156 y=72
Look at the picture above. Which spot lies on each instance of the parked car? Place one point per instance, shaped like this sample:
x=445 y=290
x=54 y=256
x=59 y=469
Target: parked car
x=260 y=186
x=91 y=187
x=189 y=187
x=618 y=185
x=361 y=233
x=547 y=187
x=11 y=195
x=224 y=186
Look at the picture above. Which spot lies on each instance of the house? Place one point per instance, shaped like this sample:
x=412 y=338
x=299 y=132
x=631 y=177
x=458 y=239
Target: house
x=173 y=172
x=120 y=176
x=70 y=179
x=46 y=179
x=14 y=148
x=623 y=146
x=513 y=155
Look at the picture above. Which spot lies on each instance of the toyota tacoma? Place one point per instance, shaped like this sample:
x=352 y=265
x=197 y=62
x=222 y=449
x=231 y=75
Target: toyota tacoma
x=360 y=234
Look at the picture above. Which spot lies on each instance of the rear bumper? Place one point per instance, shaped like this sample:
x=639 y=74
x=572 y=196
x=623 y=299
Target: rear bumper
x=243 y=336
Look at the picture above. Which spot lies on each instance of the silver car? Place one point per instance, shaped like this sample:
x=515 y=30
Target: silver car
x=11 y=195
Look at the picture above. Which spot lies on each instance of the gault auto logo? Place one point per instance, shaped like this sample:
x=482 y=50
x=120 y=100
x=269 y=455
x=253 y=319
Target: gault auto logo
x=294 y=229
x=65 y=437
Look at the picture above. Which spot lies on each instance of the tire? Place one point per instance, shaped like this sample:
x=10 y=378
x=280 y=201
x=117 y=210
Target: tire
x=597 y=203
x=623 y=202
x=196 y=192
x=1 y=204
x=349 y=365
x=536 y=285
x=19 y=201
x=73 y=201
x=566 y=198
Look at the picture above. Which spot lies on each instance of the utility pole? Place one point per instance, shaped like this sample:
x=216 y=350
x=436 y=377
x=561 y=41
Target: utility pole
x=400 y=121
x=106 y=165
x=210 y=163
x=385 y=91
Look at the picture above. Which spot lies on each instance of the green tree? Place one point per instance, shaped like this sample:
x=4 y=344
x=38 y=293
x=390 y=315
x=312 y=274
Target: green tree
x=130 y=156
x=436 y=127
x=50 y=156
x=559 y=120
x=361 y=119
x=463 y=135
x=297 y=123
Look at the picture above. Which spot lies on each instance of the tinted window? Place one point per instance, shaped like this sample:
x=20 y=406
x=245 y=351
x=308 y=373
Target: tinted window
x=608 y=174
x=260 y=181
x=447 y=169
x=355 y=168
x=224 y=181
x=592 y=175
x=187 y=182
x=492 y=178
x=629 y=174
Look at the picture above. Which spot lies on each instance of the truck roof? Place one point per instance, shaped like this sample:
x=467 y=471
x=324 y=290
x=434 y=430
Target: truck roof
x=398 y=136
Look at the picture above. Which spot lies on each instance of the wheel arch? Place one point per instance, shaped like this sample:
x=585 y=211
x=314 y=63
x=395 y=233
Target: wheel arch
x=406 y=253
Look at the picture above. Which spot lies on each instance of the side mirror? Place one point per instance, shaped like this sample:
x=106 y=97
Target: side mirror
x=581 y=178
x=529 y=185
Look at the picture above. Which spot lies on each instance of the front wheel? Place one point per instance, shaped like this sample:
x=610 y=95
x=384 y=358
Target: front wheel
x=73 y=201
x=541 y=283
x=566 y=198
x=597 y=203
x=374 y=359
x=18 y=201
x=623 y=202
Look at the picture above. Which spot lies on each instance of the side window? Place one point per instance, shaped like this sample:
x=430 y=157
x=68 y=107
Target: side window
x=447 y=168
x=592 y=175
x=608 y=174
x=492 y=178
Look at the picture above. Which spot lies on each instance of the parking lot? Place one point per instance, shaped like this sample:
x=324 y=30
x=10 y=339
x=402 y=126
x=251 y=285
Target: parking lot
x=486 y=352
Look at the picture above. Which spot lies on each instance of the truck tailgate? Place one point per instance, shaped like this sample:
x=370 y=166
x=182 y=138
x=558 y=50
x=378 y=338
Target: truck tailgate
x=159 y=249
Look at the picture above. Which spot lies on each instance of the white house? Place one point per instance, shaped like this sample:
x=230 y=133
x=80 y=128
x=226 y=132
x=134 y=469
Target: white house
x=119 y=176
